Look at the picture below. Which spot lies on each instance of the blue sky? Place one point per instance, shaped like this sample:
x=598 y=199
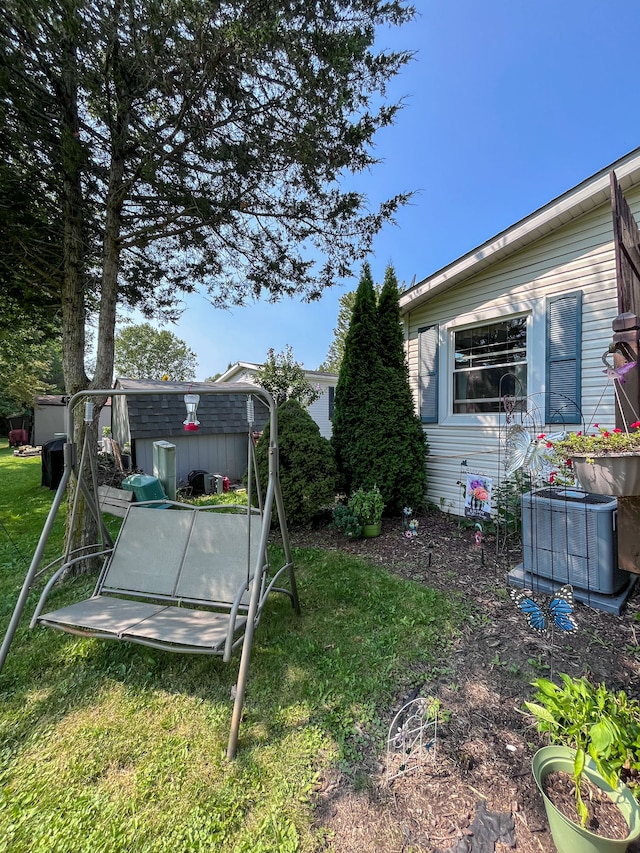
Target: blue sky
x=508 y=105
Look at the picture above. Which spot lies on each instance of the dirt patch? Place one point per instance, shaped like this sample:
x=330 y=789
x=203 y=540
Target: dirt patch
x=485 y=747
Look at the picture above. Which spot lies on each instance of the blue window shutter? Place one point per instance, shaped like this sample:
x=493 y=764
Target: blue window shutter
x=563 y=373
x=332 y=392
x=428 y=339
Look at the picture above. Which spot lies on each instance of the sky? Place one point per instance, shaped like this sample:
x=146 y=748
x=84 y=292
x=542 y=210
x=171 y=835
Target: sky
x=508 y=104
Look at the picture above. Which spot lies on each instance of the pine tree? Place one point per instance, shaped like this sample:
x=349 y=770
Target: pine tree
x=403 y=481
x=355 y=419
x=377 y=437
x=307 y=468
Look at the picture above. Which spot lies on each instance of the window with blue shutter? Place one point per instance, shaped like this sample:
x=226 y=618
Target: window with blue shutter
x=428 y=339
x=563 y=365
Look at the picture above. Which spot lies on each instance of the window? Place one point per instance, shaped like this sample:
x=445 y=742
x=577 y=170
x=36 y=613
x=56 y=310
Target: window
x=490 y=362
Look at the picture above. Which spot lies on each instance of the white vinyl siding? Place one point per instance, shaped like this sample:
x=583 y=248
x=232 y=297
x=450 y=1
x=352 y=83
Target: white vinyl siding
x=578 y=256
x=320 y=410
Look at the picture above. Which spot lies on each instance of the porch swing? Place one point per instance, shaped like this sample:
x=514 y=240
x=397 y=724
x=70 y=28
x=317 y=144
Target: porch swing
x=189 y=579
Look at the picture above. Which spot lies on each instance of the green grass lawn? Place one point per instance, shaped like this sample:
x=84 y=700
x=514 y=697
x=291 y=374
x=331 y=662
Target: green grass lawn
x=116 y=747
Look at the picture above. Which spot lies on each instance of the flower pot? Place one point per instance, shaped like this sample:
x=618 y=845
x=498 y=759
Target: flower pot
x=371 y=530
x=570 y=837
x=613 y=474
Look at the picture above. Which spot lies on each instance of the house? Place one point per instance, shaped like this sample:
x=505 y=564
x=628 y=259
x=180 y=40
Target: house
x=218 y=447
x=49 y=417
x=321 y=410
x=519 y=323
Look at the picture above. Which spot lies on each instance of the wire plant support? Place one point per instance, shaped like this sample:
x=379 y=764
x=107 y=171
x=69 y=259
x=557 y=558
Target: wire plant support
x=412 y=737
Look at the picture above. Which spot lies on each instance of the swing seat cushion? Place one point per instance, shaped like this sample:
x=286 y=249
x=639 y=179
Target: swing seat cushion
x=162 y=562
x=122 y=619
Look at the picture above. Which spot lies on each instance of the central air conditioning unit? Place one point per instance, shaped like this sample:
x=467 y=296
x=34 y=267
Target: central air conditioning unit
x=570 y=536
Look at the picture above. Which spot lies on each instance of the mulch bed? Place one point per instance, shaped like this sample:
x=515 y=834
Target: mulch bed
x=485 y=748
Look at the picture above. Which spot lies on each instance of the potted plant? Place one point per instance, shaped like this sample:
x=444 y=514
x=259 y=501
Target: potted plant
x=597 y=734
x=605 y=461
x=368 y=506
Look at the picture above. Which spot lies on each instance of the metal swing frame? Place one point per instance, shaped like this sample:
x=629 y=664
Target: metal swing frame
x=184 y=601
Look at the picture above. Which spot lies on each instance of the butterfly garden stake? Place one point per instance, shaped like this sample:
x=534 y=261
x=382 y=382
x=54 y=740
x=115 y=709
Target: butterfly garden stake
x=556 y=614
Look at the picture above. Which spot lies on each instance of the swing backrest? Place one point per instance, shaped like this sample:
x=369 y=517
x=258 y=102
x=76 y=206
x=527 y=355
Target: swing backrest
x=194 y=554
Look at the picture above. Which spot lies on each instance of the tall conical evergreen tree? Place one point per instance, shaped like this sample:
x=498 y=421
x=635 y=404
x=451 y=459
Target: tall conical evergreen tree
x=354 y=416
x=405 y=447
x=377 y=438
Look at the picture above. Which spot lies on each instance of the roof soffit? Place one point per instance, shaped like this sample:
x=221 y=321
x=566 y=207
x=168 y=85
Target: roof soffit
x=592 y=193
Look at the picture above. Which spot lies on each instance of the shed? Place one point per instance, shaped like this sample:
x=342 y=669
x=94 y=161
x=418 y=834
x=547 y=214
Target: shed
x=49 y=417
x=220 y=444
x=321 y=410
x=536 y=302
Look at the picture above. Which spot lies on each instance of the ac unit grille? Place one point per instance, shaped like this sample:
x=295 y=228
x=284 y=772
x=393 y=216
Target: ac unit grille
x=570 y=536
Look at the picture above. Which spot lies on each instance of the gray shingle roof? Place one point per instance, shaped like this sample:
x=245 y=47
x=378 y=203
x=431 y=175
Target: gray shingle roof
x=155 y=415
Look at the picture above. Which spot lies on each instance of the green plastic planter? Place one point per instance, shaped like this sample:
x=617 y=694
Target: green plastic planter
x=570 y=837
x=371 y=530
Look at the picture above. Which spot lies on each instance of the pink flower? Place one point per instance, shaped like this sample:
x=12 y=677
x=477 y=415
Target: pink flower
x=635 y=425
x=617 y=429
x=541 y=435
x=481 y=494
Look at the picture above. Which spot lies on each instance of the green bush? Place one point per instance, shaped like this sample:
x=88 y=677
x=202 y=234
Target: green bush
x=346 y=521
x=307 y=466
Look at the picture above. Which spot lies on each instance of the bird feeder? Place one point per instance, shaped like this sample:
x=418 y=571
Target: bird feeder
x=191 y=424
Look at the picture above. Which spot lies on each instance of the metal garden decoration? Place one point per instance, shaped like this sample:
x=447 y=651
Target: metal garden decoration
x=412 y=737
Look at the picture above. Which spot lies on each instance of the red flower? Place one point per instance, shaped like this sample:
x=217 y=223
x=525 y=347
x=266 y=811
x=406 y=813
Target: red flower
x=549 y=444
x=568 y=463
x=606 y=433
x=617 y=429
x=635 y=425
x=552 y=477
x=541 y=435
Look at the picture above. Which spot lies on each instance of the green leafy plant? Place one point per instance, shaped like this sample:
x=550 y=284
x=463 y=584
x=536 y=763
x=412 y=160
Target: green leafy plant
x=508 y=501
x=593 y=721
x=307 y=466
x=367 y=504
x=600 y=442
x=346 y=521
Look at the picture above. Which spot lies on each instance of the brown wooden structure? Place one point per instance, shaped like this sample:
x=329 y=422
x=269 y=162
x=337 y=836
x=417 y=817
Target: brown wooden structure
x=626 y=347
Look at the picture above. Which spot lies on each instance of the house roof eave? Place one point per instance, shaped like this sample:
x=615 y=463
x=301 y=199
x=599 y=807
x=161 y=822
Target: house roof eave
x=586 y=196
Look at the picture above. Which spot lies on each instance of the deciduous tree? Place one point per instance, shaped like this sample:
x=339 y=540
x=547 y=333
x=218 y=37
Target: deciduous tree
x=285 y=379
x=143 y=352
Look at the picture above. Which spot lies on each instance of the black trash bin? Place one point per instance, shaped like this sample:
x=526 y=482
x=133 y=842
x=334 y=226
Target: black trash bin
x=53 y=462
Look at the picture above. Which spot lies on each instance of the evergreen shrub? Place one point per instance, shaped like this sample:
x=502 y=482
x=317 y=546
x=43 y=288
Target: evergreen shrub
x=307 y=466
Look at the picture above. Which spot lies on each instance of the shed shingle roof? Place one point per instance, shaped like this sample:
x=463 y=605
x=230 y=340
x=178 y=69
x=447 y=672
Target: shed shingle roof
x=155 y=415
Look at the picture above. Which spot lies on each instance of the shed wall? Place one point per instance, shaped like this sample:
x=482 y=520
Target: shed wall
x=217 y=454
